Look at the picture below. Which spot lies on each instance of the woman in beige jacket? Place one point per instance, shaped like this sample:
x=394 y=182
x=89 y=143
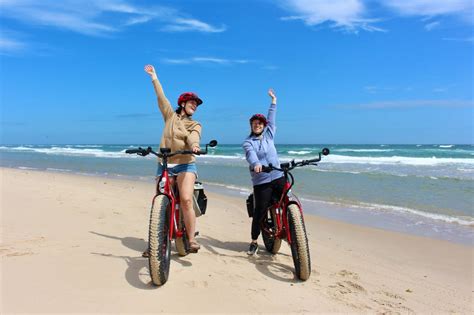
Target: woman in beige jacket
x=180 y=133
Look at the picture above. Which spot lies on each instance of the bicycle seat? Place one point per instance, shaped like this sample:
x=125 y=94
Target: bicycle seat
x=165 y=150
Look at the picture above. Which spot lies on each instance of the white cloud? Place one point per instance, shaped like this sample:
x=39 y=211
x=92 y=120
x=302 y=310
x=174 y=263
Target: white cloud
x=184 y=25
x=459 y=8
x=432 y=25
x=355 y=15
x=97 y=18
x=203 y=60
x=9 y=45
x=349 y=15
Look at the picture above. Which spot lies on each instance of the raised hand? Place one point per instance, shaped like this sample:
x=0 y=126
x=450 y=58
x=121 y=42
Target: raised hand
x=271 y=93
x=150 y=70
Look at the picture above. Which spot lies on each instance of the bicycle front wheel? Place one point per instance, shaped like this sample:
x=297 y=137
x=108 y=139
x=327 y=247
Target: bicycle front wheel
x=159 y=241
x=299 y=243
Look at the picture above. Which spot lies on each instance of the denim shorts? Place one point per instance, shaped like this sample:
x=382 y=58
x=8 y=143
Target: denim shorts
x=180 y=168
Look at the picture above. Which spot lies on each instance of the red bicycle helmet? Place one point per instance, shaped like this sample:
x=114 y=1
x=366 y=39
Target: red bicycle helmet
x=189 y=96
x=260 y=117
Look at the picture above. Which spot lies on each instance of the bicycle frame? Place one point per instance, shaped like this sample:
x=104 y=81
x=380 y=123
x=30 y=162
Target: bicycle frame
x=287 y=198
x=163 y=186
x=173 y=197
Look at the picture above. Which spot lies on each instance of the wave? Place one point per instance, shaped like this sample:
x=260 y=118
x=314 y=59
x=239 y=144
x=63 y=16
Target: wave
x=447 y=146
x=363 y=150
x=73 y=152
x=85 y=145
x=396 y=160
x=218 y=156
x=467 y=221
x=389 y=208
x=299 y=152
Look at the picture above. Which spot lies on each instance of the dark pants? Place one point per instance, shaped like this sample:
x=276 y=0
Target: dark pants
x=263 y=197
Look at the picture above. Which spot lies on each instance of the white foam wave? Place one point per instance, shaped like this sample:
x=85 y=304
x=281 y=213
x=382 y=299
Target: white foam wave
x=396 y=160
x=75 y=152
x=389 y=208
x=27 y=168
x=447 y=146
x=217 y=156
x=333 y=171
x=58 y=169
x=433 y=216
x=363 y=150
x=299 y=152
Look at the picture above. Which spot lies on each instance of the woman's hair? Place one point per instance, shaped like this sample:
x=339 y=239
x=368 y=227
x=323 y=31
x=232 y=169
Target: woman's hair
x=178 y=110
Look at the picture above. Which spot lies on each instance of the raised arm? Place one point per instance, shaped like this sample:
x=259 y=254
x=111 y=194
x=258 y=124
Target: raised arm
x=271 y=117
x=163 y=103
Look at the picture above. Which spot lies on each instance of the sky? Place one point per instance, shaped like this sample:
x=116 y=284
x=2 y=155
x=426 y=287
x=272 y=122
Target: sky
x=344 y=71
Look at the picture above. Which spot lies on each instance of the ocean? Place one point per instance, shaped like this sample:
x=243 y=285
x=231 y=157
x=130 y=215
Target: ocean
x=425 y=190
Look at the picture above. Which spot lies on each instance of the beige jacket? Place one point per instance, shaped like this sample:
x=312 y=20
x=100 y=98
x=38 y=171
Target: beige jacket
x=180 y=132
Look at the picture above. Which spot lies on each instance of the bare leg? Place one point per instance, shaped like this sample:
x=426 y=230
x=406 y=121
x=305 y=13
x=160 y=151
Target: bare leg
x=186 y=190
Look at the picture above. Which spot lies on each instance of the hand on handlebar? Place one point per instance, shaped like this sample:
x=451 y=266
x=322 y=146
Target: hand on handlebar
x=257 y=168
x=196 y=149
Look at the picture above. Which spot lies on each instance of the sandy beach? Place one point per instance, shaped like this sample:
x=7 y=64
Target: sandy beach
x=72 y=244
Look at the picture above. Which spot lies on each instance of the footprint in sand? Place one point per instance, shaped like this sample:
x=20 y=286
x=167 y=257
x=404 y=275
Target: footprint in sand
x=347 y=287
x=347 y=274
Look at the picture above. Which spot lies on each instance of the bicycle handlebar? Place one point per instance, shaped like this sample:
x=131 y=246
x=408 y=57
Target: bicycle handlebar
x=288 y=166
x=166 y=152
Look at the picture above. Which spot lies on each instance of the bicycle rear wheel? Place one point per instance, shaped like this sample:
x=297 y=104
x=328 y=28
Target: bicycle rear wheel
x=299 y=243
x=272 y=243
x=159 y=241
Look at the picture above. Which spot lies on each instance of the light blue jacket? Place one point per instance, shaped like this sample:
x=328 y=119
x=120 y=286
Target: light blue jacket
x=261 y=150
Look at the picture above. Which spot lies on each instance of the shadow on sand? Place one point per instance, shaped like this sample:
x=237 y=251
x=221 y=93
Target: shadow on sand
x=134 y=274
x=264 y=261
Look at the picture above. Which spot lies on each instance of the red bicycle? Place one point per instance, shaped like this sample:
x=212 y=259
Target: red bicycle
x=284 y=220
x=166 y=218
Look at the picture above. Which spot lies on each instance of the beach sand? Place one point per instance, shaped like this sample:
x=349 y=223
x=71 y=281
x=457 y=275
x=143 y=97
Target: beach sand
x=72 y=244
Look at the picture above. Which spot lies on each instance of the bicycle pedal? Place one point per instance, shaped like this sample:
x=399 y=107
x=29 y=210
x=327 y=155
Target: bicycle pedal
x=196 y=233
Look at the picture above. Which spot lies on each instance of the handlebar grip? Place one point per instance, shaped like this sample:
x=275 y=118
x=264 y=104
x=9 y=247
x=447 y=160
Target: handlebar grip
x=132 y=151
x=267 y=169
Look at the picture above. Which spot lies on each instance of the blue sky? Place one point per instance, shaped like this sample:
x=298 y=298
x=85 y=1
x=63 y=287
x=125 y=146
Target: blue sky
x=345 y=71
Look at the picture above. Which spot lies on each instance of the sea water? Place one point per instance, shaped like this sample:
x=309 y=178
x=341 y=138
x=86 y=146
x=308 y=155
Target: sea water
x=420 y=189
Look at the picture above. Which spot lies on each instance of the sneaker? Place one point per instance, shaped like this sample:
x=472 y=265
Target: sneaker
x=253 y=248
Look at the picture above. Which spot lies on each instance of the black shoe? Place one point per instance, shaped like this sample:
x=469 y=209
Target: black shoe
x=253 y=249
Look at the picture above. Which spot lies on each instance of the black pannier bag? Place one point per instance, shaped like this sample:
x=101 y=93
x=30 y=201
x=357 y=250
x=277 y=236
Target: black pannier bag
x=250 y=205
x=199 y=200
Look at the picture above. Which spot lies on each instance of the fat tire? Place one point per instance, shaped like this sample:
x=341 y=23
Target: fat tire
x=182 y=243
x=159 y=241
x=299 y=243
x=272 y=244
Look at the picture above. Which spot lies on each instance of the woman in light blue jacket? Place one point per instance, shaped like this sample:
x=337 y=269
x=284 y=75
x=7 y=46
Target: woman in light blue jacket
x=260 y=151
